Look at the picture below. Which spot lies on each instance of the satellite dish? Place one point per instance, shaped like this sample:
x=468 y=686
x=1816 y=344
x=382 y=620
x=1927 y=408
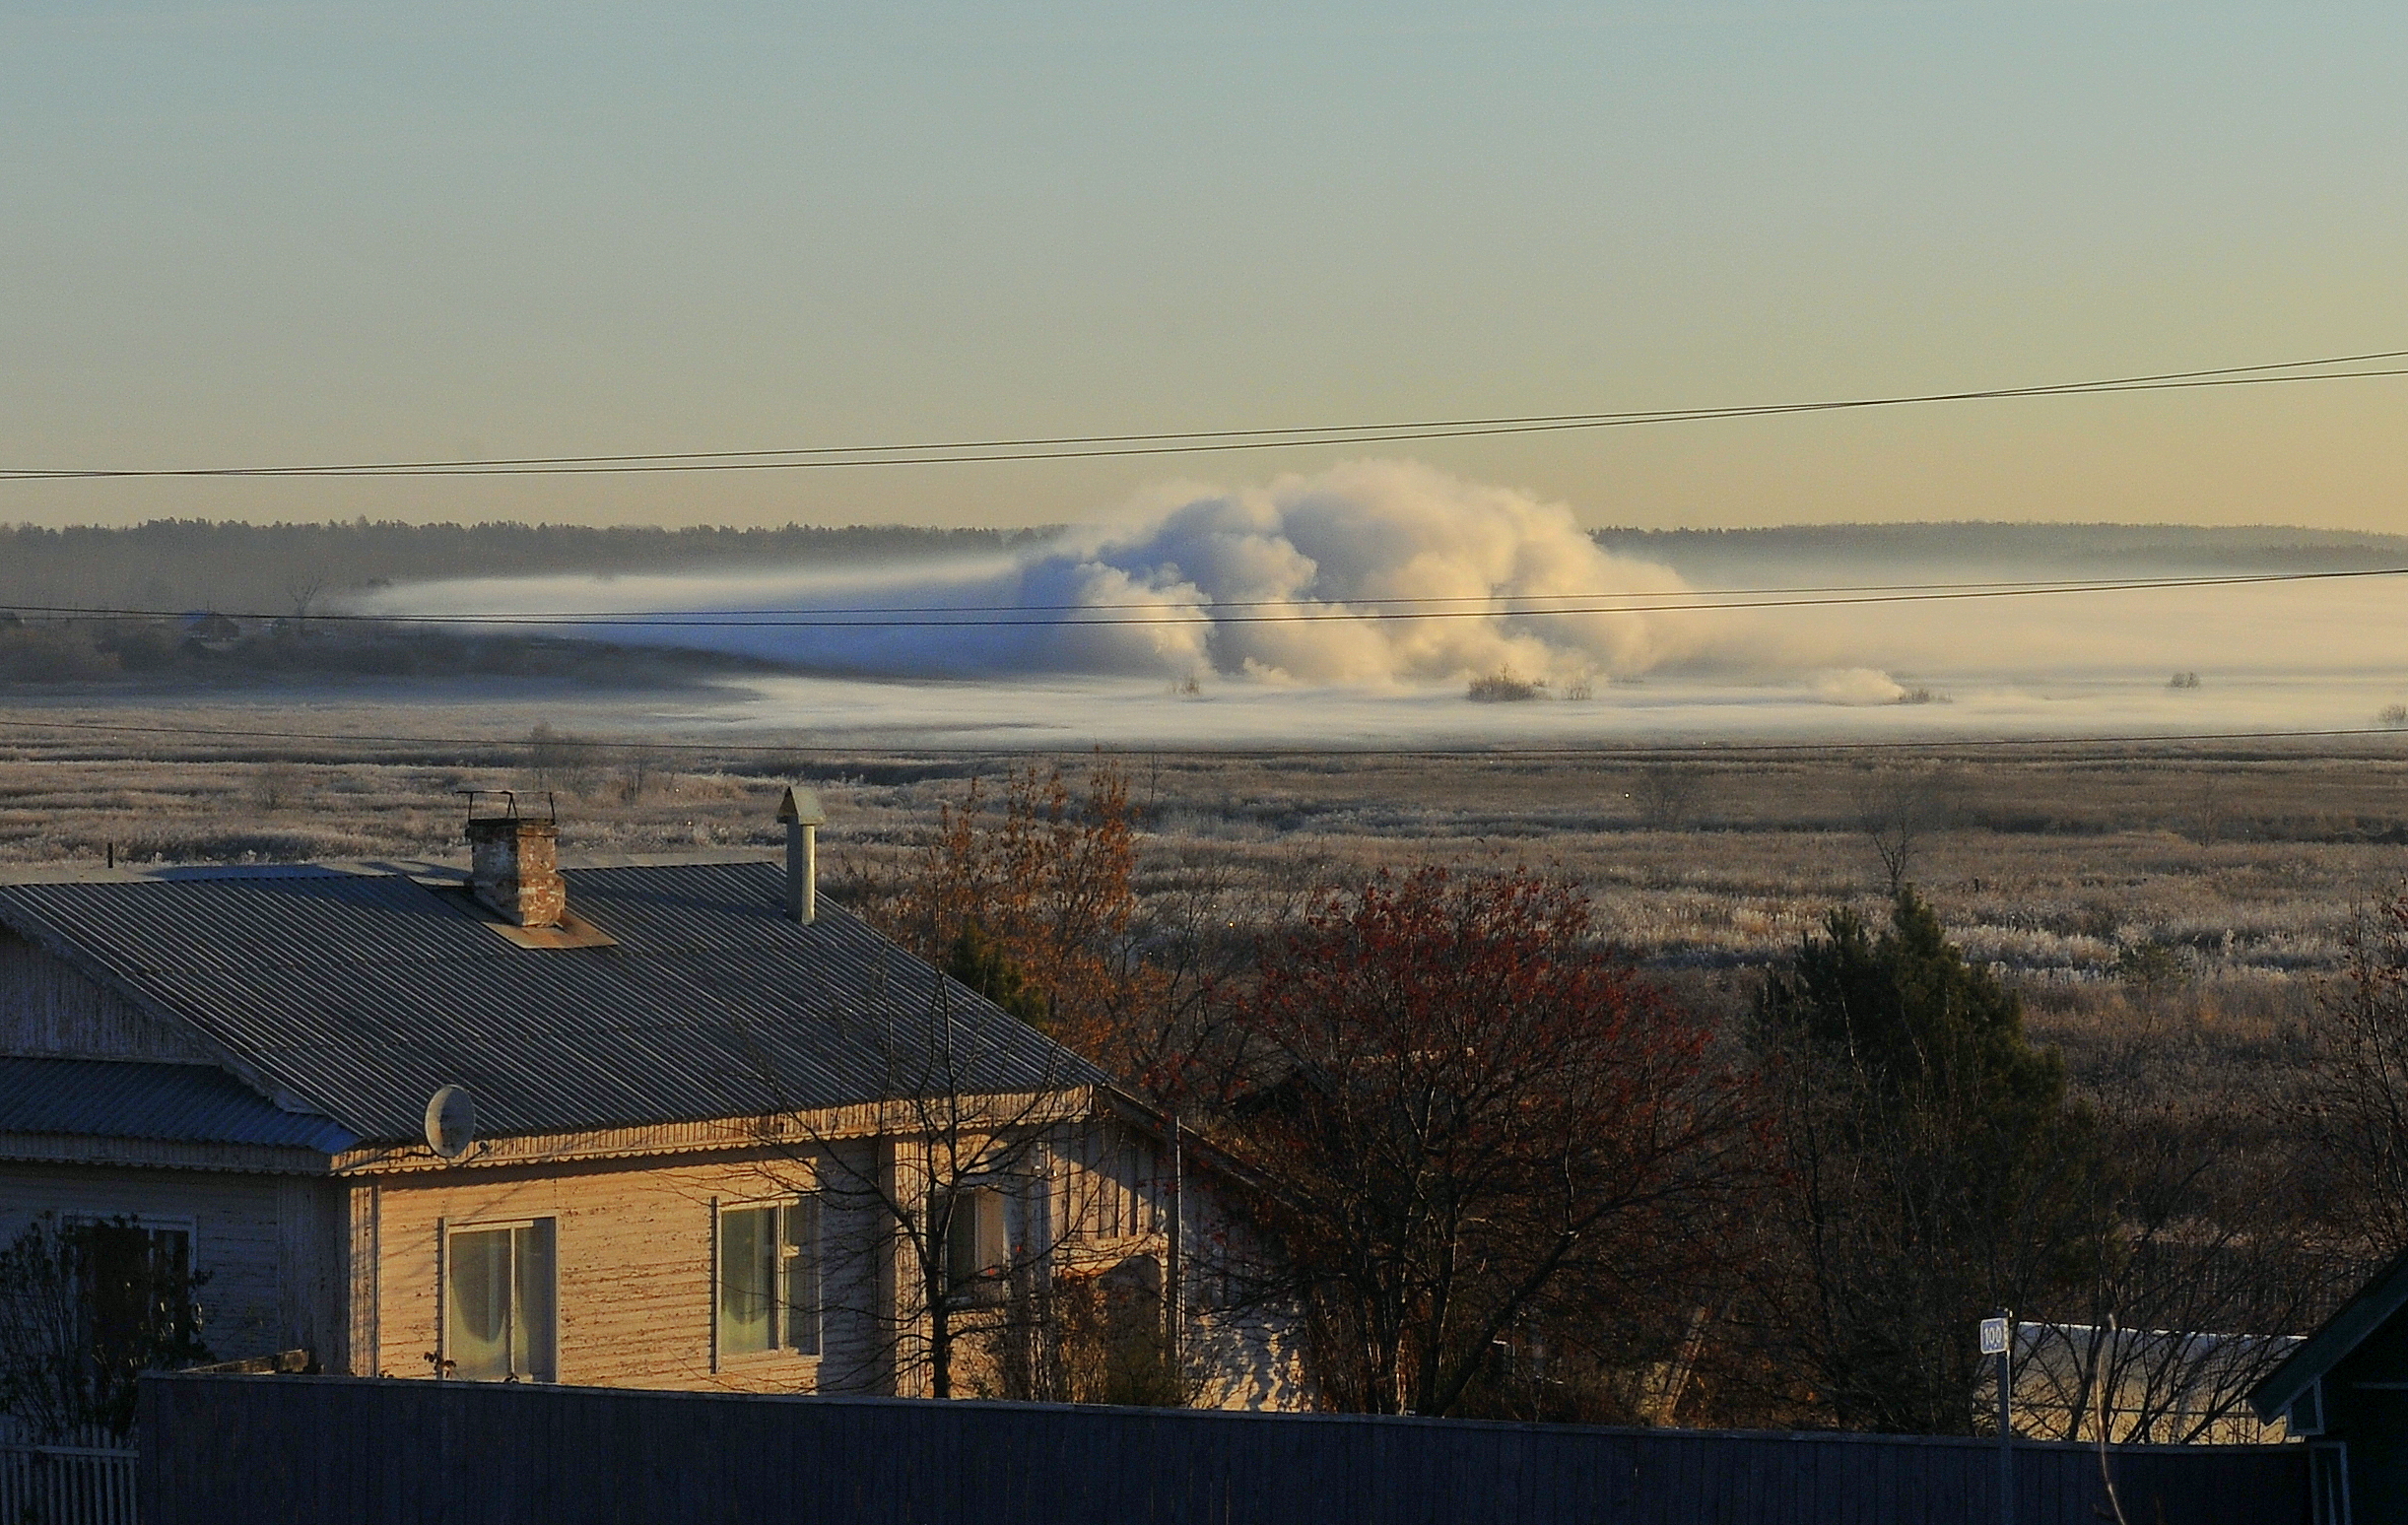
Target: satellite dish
x=451 y=1121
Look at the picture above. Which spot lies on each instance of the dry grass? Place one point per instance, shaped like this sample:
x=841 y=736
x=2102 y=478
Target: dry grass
x=2250 y=868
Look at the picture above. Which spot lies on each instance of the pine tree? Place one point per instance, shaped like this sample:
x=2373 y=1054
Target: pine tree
x=980 y=962
x=1939 y=1172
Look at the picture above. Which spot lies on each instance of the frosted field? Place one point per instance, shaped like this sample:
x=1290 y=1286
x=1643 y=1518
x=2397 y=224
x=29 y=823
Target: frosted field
x=1076 y=713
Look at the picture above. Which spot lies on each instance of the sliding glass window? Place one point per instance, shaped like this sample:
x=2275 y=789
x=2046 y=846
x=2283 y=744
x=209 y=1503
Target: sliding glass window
x=770 y=1277
x=499 y=1318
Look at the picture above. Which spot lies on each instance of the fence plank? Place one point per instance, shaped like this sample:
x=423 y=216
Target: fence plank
x=274 y=1449
x=76 y=1484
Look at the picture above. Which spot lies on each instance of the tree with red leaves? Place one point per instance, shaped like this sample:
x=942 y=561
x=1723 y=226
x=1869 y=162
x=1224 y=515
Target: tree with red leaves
x=1475 y=1123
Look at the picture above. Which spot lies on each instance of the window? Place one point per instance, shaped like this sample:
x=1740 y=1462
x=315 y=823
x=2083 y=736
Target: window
x=977 y=1252
x=134 y=1288
x=499 y=1318
x=769 y=1278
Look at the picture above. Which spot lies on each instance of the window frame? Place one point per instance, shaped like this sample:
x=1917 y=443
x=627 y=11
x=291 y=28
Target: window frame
x=446 y=1304
x=783 y=1208
x=187 y=1225
x=988 y=1282
x=2328 y=1482
x=153 y=1223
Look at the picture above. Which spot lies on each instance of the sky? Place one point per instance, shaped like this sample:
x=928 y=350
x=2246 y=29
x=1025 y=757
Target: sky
x=250 y=234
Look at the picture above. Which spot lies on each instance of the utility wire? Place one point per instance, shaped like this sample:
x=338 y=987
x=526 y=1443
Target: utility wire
x=1499 y=753
x=1498 y=606
x=1091 y=447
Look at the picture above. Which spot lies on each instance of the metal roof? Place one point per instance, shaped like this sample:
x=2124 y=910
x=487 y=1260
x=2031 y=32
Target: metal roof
x=361 y=991
x=189 y=1103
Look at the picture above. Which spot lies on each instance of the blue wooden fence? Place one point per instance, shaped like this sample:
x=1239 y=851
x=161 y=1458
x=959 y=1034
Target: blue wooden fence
x=299 y=1450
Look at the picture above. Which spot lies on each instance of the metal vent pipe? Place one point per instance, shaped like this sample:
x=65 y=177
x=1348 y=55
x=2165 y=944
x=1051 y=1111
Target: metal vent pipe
x=800 y=811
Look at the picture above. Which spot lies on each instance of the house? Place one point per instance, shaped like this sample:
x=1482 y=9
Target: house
x=2345 y=1389
x=641 y=1122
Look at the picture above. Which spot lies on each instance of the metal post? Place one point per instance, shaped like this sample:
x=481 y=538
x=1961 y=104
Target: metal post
x=2006 y=1430
x=1175 y=1268
x=1998 y=1339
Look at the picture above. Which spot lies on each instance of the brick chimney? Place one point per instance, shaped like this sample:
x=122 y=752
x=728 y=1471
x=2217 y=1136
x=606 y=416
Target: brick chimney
x=514 y=868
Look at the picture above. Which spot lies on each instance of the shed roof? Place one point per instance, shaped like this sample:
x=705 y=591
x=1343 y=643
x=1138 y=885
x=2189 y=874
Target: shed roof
x=2351 y=1326
x=358 y=990
x=189 y=1104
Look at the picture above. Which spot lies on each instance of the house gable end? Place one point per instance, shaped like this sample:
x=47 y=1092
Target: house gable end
x=53 y=1004
x=2358 y=1322
x=50 y=1008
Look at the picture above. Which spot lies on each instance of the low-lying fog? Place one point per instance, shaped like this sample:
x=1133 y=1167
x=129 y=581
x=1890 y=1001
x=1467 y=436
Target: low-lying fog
x=1255 y=616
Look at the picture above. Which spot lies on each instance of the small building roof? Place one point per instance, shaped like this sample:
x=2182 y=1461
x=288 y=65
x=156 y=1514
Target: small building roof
x=358 y=990
x=2355 y=1323
x=185 y=1104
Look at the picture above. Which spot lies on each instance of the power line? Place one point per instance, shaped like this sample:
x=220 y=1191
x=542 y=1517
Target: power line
x=1499 y=753
x=1096 y=446
x=1045 y=615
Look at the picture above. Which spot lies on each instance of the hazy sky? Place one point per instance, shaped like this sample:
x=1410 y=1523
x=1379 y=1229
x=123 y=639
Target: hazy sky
x=264 y=233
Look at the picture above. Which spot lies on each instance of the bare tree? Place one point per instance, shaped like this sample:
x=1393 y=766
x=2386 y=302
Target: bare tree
x=2358 y=1108
x=557 y=761
x=278 y=786
x=1668 y=794
x=303 y=590
x=1898 y=810
x=1028 y=894
x=640 y=769
x=2207 y=809
x=2213 y=1255
x=988 y=1241
x=85 y=1308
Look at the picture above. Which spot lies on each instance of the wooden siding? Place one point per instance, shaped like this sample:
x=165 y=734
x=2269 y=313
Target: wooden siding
x=637 y=1269
x=361 y=1257
x=48 y=1009
x=635 y=1262
x=309 y=1263
x=1110 y=1185
x=234 y=1237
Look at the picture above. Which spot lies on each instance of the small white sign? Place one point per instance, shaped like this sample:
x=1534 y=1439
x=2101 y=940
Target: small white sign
x=1993 y=1336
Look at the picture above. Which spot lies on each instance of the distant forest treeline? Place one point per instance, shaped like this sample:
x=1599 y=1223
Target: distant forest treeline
x=192 y=564
x=2076 y=547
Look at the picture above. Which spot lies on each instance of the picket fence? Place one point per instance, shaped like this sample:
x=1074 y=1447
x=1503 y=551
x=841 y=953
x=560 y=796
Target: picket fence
x=88 y=1483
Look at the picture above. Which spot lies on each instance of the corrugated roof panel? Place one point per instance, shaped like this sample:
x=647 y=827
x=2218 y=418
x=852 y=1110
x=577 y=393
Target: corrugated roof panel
x=361 y=993
x=183 y=1102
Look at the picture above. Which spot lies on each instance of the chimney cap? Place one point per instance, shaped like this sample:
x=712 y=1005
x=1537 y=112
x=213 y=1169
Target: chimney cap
x=509 y=798
x=802 y=807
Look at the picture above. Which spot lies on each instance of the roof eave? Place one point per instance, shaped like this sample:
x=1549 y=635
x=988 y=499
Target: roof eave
x=81 y=1149
x=798 y=1129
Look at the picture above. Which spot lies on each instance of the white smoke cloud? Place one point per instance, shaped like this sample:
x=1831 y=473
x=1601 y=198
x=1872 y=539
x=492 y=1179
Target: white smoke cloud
x=1282 y=583
x=2331 y=654
x=1857 y=686
x=1351 y=543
